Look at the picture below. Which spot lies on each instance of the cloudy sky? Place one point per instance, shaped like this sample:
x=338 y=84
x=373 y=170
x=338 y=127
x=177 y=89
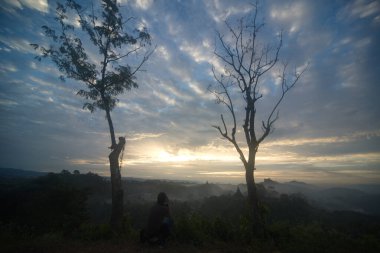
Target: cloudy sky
x=329 y=125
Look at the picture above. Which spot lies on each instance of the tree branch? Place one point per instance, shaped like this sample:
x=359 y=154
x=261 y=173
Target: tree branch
x=145 y=58
x=245 y=62
x=116 y=58
x=267 y=126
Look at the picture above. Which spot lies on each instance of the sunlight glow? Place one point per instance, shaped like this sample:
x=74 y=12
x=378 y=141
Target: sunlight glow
x=186 y=155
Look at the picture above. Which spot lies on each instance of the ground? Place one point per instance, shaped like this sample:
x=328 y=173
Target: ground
x=121 y=247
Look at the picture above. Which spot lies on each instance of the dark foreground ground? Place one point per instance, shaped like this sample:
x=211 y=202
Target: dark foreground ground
x=123 y=247
x=69 y=213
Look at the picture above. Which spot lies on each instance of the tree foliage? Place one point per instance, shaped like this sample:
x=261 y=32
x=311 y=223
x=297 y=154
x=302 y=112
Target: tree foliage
x=106 y=75
x=57 y=209
x=109 y=36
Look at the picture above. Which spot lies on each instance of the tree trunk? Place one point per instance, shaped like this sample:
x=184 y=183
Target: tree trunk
x=253 y=200
x=117 y=190
x=252 y=193
x=112 y=131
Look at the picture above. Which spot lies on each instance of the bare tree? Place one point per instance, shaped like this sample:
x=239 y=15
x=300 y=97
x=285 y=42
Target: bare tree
x=247 y=60
x=104 y=78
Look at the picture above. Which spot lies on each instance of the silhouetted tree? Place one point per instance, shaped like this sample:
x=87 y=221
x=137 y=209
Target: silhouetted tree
x=246 y=61
x=104 y=77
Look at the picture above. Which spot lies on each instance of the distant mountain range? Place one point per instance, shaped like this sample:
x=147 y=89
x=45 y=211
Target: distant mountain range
x=12 y=173
x=358 y=198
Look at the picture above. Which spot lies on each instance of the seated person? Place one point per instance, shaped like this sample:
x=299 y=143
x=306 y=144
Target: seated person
x=159 y=222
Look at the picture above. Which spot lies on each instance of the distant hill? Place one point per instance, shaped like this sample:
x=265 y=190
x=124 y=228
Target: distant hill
x=18 y=173
x=293 y=187
x=358 y=198
x=352 y=198
x=138 y=190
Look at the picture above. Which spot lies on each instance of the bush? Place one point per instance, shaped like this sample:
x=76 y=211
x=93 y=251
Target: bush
x=95 y=232
x=192 y=228
x=223 y=230
x=44 y=205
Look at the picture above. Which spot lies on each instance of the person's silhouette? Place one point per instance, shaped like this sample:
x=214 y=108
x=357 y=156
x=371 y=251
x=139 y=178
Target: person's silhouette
x=159 y=222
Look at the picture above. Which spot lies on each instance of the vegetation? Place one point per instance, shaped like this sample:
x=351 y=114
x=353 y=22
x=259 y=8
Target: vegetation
x=105 y=77
x=247 y=62
x=68 y=212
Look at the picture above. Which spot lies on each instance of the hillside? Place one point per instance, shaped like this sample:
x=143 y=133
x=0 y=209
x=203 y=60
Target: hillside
x=17 y=173
x=349 y=198
x=65 y=212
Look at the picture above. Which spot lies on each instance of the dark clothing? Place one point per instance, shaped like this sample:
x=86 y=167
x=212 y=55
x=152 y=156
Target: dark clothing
x=159 y=223
x=159 y=214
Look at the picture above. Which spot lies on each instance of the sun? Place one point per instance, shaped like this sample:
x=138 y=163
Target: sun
x=164 y=156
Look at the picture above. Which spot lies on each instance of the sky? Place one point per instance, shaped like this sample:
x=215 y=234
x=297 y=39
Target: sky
x=328 y=131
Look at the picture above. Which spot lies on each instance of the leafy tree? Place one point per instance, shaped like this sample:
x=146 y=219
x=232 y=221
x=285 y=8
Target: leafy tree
x=247 y=60
x=104 y=78
x=45 y=204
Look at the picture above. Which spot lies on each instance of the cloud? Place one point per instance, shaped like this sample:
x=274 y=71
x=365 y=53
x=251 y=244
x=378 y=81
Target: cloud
x=324 y=140
x=4 y=68
x=220 y=10
x=103 y=162
x=6 y=102
x=39 y=5
x=166 y=99
x=18 y=44
x=163 y=52
x=143 y=4
x=328 y=125
x=198 y=52
x=142 y=136
x=293 y=15
x=363 y=8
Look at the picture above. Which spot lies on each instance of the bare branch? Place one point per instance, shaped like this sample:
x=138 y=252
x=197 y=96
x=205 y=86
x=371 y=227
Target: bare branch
x=227 y=50
x=145 y=58
x=270 y=64
x=220 y=131
x=224 y=124
x=124 y=55
x=127 y=20
x=246 y=62
x=267 y=126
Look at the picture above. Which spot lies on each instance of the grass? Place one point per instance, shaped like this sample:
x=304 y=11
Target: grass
x=52 y=244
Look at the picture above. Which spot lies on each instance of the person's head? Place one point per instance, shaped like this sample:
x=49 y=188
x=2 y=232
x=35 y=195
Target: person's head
x=162 y=199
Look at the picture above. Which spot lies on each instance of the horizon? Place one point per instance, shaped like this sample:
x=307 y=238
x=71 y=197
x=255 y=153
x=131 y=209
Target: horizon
x=212 y=181
x=328 y=131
